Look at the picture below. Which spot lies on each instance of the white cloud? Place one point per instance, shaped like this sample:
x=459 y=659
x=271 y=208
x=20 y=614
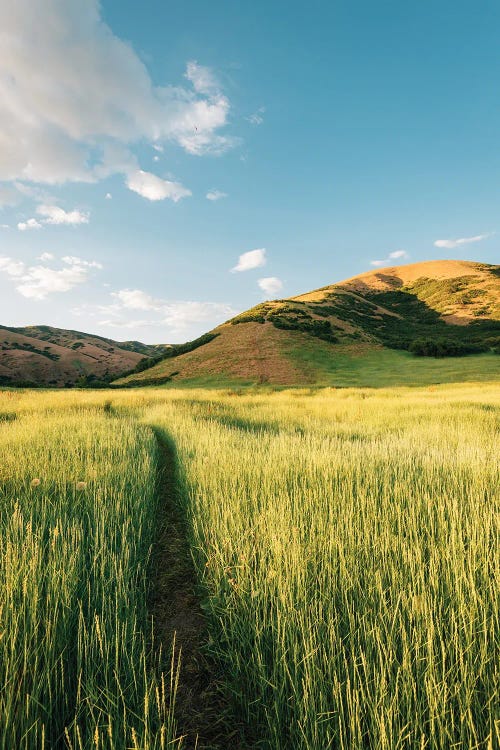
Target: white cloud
x=57 y=215
x=75 y=99
x=199 y=143
x=257 y=117
x=270 y=285
x=251 y=259
x=177 y=315
x=202 y=78
x=215 y=195
x=108 y=196
x=181 y=314
x=46 y=257
x=461 y=241
x=54 y=215
x=154 y=188
x=11 y=267
x=73 y=260
x=396 y=255
x=135 y=299
x=30 y=224
x=38 y=282
x=4 y=226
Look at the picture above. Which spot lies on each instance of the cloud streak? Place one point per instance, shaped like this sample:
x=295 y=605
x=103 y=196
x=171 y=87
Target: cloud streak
x=54 y=215
x=452 y=243
x=154 y=188
x=396 y=255
x=215 y=195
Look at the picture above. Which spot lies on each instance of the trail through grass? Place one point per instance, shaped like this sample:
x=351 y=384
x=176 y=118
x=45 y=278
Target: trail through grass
x=345 y=549
x=200 y=706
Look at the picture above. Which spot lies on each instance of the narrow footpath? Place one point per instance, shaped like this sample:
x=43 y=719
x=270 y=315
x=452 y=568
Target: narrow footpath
x=202 y=714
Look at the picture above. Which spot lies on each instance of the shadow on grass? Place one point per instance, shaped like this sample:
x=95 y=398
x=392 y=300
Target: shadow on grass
x=203 y=713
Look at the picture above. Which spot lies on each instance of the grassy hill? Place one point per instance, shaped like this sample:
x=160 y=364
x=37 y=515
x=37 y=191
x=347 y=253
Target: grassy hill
x=404 y=324
x=43 y=355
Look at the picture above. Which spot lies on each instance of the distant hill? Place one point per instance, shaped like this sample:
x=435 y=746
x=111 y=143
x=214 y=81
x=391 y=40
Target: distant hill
x=390 y=318
x=42 y=355
x=379 y=327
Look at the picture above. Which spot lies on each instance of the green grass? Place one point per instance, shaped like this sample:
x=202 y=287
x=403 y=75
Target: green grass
x=344 y=543
x=381 y=368
x=77 y=519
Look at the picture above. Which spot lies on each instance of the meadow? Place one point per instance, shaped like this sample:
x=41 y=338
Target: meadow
x=344 y=543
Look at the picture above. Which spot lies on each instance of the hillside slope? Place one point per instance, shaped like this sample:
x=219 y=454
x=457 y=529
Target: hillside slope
x=454 y=305
x=43 y=355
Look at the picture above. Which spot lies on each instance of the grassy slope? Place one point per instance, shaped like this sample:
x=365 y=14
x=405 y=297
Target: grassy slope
x=249 y=353
x=379 y=368
x=282 y=342
x=53 y=356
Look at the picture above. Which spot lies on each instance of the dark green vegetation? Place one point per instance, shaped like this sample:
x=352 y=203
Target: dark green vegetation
x=288 y=317
x=437 y=310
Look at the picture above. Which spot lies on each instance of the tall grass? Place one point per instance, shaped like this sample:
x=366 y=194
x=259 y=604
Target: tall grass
x=345 y=541
x=77 y=514
x=347 y=546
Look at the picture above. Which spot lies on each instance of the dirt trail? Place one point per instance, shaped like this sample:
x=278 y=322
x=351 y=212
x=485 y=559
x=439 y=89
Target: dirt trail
x=202 y=714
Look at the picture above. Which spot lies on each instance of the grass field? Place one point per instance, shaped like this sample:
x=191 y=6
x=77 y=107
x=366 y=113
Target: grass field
x=344 y=543
x=380 y=368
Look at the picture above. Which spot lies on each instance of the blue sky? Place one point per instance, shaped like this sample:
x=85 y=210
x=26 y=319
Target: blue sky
x=146 y=147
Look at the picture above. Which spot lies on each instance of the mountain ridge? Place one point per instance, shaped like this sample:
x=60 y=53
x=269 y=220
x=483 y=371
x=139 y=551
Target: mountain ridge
x=448 y=307
x=49 y=356
x=452 y=305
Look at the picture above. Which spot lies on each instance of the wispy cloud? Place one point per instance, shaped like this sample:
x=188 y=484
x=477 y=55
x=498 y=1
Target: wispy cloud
x=270 y=285
x=451 y=243
x=396 y=255
x=154 y=188
x=176 y=315
x=257 y=117
x=203 y=79
x=251 y=259
x=215 y=195
x=40 y=281
x=56 y=216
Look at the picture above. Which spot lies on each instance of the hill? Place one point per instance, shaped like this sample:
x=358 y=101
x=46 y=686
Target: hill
x=386 y=326
x=42 y=355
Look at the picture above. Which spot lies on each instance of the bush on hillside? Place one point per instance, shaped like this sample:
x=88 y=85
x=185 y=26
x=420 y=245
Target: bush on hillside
x=444 y=348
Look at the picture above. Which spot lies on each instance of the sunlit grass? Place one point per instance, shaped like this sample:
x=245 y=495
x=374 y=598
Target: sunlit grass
x=345 y=541
x=77 y=514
